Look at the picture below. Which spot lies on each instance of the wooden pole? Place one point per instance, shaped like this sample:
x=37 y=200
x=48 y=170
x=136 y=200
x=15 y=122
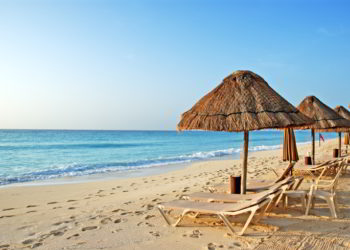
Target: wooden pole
x=313 y=145
x=339 y=154
x=245 y=163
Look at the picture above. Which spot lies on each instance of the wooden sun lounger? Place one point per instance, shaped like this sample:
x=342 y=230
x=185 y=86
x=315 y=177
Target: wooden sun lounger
x=222 y=210
x=238 y=204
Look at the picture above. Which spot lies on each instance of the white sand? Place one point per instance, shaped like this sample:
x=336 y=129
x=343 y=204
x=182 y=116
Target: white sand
x=121 y=214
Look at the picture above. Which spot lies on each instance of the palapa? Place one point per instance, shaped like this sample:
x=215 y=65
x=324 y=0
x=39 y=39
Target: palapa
x=326 y=119
x=346 y=114
x=342 y=112
x=243 y=101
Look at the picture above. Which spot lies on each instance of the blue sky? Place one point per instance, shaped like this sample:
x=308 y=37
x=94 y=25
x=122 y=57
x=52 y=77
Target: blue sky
x=140 y=64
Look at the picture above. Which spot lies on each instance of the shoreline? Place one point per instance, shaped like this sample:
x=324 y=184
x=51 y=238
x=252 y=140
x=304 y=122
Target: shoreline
x=138 y=172
x=122 y=214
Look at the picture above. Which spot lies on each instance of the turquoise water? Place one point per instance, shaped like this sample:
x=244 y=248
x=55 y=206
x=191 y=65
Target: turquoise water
x=28 y=155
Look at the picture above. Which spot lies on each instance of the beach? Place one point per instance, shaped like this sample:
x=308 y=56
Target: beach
x=122 y=214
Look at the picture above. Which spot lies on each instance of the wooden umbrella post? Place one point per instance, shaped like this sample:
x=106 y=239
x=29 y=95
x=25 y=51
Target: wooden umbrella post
x=339 y=154
x=313 y=146
x=245 y=163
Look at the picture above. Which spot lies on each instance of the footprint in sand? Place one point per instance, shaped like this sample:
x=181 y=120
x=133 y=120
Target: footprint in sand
x=6 y=216
x=52 y=202
x=150 y=206
x=57 y=223
x=29 y=206
x=118 y=210
x=35 y=245
x=213 y=246
x=59 y=232
x=71 y=200
x=71 y=208
x=23 y=227
x=31 y=211
x=105 y=221
x=28 y=241
x=56 y=207
x=89 y=228
x=73 y=236
x=147 y=217
x=139 y=212
x=117 y=221
x=8 y=209
x=156 y=233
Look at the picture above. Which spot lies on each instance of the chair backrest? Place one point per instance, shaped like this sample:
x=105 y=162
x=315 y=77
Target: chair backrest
x=330 y=166
x=333 y=183
x=325 y=163
x=286 y=172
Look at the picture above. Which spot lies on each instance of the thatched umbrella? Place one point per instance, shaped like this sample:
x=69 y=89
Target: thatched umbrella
x=290 y=151
x=343 y=112
x=326 y=119
x=243 y=101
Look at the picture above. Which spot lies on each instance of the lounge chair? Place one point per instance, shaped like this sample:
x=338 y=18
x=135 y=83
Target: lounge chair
x=222 y=210
x=241 y=206
x=330 y=195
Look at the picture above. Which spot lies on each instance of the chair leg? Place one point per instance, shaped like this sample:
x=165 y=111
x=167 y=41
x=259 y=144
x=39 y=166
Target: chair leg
x=160 y=209
x=181 y=217
x=331 y=205
x=166 y=218
x=229 y=225
x=249 y=220
x=280 y=197
x=303 y=201
x=227 y=222
x=336 y=204
x=286 y=201
x=308 y=205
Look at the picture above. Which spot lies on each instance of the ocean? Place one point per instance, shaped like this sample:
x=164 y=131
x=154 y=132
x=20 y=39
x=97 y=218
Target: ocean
x=36 y=155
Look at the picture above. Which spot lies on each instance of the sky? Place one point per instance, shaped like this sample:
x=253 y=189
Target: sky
x=100 y=64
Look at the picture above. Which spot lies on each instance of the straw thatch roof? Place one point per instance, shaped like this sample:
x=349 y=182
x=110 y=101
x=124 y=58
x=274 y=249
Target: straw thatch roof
x=343 y=112
x=326 y=119
x=242 y=102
